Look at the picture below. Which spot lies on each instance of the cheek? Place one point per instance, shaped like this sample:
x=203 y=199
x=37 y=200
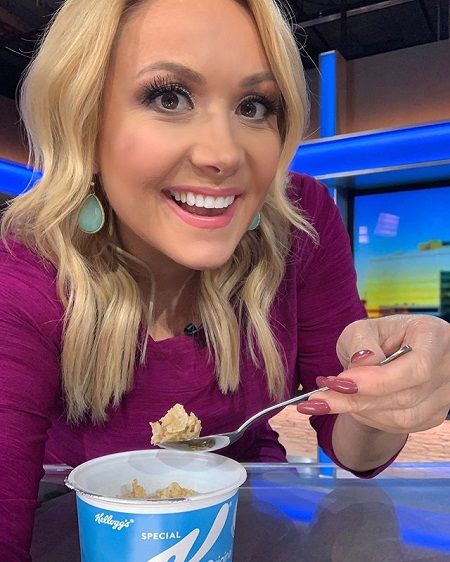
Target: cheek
x=133 y=152
x=134 y=162
x=267 y=157
x=124 y=171
x=132 y=141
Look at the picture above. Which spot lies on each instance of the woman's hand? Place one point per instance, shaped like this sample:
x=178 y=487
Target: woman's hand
x=407 y=395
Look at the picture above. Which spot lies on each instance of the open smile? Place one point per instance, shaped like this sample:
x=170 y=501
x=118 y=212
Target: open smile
x=202 y=210
x=205 y=205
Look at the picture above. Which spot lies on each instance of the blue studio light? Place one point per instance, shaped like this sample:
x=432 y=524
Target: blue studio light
x=379 y=157
x=16 y=178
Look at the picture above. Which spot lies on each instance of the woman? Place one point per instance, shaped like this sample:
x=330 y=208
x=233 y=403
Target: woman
x=164 y=205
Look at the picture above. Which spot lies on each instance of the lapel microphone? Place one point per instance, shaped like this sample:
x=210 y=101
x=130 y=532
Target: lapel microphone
x=191 y=329
x=197 y=333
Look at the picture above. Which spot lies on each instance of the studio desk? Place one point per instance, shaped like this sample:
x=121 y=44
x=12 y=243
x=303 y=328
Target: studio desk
x=305 y=512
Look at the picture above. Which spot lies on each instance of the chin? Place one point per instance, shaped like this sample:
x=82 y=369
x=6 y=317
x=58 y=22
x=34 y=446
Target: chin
x=203 y=263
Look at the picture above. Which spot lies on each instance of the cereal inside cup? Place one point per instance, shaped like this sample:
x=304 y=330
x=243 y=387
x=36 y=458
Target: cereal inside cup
x=173 y=490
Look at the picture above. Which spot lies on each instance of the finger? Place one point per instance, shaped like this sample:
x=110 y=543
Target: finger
x=382 y=336
x=372 y=340
x=401 y=374
x=409 y=402
x=339 y=403
x=403 y=421
x=376 y=415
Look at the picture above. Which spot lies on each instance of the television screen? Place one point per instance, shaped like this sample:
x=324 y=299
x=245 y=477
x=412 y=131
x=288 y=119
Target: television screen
x=401 y=244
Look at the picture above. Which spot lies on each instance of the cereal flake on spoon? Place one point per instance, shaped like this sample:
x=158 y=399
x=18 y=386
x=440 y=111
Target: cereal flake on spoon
x=177 y=424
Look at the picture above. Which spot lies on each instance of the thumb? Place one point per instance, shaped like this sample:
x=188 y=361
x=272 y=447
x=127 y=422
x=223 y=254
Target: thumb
x=359 y=345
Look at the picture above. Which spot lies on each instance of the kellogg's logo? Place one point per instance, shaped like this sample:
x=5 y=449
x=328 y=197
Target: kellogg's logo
x=115 y=524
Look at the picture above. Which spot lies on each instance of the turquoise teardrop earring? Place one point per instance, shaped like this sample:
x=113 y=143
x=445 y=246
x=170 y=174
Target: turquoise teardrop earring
x=255 y=222
x=91 y=216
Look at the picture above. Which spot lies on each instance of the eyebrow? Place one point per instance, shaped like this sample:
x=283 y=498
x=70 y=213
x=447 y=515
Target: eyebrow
x=176 y=68
x=198 y=78
x=255 y=79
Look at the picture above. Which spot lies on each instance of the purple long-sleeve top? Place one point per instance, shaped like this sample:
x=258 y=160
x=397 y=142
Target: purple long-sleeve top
x=315 y=301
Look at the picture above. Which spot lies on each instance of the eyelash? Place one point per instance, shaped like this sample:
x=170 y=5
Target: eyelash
x=164 y=84
x=271 y=105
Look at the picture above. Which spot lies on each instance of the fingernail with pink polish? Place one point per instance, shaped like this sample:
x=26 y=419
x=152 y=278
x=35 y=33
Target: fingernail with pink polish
x=321 y=381
x=317 y=407
x=342 y=385
x=360 y=355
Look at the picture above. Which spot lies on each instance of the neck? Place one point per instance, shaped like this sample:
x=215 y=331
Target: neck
x=174 y=306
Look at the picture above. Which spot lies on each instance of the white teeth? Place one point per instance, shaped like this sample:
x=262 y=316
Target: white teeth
x=207 y=201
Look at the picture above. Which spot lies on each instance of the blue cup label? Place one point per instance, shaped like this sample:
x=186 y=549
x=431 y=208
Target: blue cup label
x=203 y=535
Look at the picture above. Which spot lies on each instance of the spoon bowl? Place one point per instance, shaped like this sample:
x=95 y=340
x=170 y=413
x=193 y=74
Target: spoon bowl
x=220 y=440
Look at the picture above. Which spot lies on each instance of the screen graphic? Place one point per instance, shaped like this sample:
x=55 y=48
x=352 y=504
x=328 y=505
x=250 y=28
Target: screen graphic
x=402 y=251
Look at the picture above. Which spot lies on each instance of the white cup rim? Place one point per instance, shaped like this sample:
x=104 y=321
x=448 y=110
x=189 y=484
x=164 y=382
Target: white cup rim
x=241 y=476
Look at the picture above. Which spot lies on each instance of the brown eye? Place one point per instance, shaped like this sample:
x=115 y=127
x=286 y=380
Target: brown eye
x=257 y=108
x=169 y=100
x=248 y=109
x=167 y=97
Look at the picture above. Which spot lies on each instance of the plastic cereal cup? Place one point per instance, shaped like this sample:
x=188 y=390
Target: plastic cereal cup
x=197 y=528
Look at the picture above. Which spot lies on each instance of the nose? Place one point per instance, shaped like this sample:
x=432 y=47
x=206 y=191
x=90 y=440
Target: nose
x=217 y=150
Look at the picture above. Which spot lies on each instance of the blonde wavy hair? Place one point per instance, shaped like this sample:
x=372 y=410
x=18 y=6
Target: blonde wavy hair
x=61 y=105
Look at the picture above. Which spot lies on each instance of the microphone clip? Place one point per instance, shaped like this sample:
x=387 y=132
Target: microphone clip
x=197 y=333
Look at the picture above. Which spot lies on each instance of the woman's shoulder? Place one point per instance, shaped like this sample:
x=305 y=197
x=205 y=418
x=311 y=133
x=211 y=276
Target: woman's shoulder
x=315 y=202
x=15 y=255
x=27 y=281
x=309 y=194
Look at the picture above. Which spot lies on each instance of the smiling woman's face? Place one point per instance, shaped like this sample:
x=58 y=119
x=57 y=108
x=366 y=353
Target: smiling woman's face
x=189 y=143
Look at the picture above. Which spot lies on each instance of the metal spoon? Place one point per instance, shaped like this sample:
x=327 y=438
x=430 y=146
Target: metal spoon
x=221 y=440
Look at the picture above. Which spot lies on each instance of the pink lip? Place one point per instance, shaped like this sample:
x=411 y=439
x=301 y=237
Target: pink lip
x=199 y=221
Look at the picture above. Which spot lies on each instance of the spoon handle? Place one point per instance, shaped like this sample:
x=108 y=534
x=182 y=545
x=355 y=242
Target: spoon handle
x=301 y=397
x=279 y=406
x=404 y=349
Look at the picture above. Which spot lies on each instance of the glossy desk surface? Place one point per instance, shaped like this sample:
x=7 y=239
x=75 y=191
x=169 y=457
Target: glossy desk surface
x=308 y=512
